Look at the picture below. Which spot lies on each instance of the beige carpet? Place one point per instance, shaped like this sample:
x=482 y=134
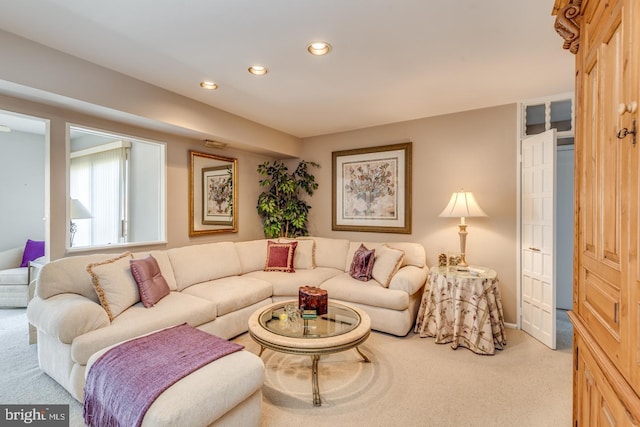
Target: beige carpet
x=411 y=382
x=414 y=382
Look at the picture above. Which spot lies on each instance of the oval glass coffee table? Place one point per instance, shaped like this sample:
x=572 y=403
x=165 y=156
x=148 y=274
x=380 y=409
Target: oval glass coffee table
x=280 y=327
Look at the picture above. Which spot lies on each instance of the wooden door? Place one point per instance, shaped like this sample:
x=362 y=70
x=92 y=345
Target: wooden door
x=601 y=236
x=538 y=294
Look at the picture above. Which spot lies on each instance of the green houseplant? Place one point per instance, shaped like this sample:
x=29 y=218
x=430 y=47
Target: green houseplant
x=283 y=212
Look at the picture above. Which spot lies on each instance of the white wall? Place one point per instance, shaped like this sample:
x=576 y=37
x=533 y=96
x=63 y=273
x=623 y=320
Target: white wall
x=21 y=188
x=475 y=150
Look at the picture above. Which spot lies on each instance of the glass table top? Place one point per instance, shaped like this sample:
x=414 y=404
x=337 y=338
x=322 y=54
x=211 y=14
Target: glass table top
x=285 y=319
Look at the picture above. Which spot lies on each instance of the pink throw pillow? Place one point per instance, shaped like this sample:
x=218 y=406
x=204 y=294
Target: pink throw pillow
x=151 y=284
x=362 y=263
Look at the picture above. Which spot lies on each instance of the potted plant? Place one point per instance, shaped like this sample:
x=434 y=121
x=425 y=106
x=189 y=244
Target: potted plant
x=283 y=212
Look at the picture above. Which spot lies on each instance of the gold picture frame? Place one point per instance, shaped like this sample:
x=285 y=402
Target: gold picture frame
x=213 y=187
x=371 y=189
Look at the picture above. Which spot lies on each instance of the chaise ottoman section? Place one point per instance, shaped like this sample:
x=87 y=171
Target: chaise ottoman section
x=224 y=392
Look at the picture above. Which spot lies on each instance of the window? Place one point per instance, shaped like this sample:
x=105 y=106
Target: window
x=116 y=190
x=549 y=113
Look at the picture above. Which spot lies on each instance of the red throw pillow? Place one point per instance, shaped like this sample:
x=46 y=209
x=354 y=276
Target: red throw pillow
x=362 y=263
x=151 y=284
x=280 y=256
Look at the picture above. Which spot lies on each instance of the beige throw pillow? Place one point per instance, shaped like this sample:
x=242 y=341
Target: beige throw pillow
x=304 y=258
x=114 y=284
x=387 y=263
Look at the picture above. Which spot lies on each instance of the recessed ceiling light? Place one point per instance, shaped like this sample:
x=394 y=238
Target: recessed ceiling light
x=208 y=85
x=319 y=48
x=4 y=128
x=258 y=70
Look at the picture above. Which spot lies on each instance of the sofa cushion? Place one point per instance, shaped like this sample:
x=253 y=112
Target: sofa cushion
x=331 y=252
x=11 y=258
x=151 y=285
x=362 y=263
x=174 y=309
x=345 y=288
x=232 y=293
x=114 y=284
x=252 y=254
x=33 y=249
x=287 y=284
x=162 y=257
x=14 y=276
x=304 y=256
x=387 y=263
x=201 y=263
x=280 y=256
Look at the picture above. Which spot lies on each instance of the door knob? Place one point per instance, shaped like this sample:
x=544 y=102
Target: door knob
x=627 y=108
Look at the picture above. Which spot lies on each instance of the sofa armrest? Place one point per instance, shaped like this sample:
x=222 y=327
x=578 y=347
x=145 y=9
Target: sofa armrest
x=66 y=316
x=409 y=279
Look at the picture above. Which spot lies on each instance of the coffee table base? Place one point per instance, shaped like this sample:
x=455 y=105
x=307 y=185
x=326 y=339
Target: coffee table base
x=345 y=327
x=315 y=358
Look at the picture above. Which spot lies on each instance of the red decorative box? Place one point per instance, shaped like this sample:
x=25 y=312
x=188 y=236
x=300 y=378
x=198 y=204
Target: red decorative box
x=312 y=298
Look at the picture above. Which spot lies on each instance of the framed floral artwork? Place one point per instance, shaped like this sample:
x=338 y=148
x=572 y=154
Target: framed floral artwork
x=213 y=206
x=217 y=194
x=371 y=189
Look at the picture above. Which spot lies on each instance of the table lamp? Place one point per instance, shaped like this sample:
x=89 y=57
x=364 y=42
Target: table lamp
x=462 y=204
x=76 y=211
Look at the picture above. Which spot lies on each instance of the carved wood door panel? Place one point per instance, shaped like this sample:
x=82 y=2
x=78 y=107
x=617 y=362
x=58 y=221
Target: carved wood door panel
x=602 y=237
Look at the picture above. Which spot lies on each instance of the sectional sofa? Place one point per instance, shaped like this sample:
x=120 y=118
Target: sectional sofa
x=214 y=287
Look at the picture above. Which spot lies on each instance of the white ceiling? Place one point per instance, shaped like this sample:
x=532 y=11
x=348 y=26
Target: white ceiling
x=392 y=60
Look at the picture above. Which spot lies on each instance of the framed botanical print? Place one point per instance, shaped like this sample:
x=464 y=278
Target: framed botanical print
x=371 y=189
x=217 y=195
x=213 y=206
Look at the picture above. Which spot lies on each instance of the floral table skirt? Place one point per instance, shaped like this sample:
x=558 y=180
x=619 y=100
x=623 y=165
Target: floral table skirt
x=463 y=310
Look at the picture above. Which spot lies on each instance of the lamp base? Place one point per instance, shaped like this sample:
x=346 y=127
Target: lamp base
x=463 y=243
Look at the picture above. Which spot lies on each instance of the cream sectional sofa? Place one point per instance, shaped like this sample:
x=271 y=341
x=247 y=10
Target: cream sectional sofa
x=214 y=287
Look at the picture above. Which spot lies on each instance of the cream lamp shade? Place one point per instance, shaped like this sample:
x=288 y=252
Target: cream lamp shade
x=76 y=211
x=462 y=205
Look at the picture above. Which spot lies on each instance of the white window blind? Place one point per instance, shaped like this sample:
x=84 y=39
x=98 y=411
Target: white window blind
x=99 y=178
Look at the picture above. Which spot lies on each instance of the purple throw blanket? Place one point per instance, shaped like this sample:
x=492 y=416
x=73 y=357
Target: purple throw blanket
x=124 y=382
